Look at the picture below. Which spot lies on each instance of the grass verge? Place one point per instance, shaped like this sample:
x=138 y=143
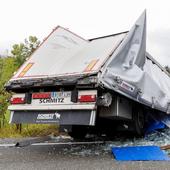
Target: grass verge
x=28 y=130
x=31 y=130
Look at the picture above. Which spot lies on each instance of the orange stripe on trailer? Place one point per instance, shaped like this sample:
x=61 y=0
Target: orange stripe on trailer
x=91 y=65
x=24 y=71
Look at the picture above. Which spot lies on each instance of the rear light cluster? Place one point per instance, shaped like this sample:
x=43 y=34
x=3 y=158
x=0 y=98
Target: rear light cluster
x=79 y=96
x=87 y=98
x=45 y=95
x=17 y=100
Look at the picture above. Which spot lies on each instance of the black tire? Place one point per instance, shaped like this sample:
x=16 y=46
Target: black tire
x=78 y=132
x=138 y=120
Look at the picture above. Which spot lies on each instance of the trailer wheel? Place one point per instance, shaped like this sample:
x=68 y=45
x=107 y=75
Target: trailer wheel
x=139 y=120
x=78 y=132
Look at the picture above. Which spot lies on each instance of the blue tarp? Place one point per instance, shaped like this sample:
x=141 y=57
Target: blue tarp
x=139 y=153
x=154 y=125
x=156 y=121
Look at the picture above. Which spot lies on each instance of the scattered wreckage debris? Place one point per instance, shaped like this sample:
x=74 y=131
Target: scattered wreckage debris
x=60 y=140
x=139 y=153
x=166 y=147
x=98 y=146
x=32 y=141
x=158 y=148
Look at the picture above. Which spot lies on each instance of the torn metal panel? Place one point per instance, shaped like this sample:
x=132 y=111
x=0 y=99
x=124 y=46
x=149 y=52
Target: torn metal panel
x=131 y=71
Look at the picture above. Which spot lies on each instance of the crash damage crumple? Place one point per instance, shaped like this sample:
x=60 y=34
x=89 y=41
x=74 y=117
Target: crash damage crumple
x=131 y=72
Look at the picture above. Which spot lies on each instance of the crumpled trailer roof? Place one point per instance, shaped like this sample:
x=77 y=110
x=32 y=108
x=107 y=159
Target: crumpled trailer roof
x=119 y=61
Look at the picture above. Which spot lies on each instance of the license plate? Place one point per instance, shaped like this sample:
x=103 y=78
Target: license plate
x=54 y=98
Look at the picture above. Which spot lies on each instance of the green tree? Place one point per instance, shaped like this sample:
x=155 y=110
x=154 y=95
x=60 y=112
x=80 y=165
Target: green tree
x=23 y=50
x=9 y=65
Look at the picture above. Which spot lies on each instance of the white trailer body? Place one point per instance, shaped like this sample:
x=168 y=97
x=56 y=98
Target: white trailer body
x=64 y=53
x=72 y=81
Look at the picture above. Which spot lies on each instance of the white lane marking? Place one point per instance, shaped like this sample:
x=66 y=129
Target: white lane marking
x=7 y=145
x=67 y=143
x=55 y=143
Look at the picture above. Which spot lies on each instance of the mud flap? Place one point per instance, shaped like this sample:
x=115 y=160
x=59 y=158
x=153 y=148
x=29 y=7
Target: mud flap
x=77 y=117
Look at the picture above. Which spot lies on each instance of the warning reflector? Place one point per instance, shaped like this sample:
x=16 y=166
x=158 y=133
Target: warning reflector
x=27 y=67
x=91 y=65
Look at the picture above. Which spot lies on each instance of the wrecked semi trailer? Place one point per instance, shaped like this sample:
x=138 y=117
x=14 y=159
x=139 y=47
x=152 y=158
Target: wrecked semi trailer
x=90 y=84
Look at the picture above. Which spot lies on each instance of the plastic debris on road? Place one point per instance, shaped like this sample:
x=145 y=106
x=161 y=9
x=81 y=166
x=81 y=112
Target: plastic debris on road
x=157 y=138
x=139 y=153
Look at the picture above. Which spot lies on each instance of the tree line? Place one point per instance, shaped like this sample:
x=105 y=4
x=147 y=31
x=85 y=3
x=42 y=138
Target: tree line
x=8 y=65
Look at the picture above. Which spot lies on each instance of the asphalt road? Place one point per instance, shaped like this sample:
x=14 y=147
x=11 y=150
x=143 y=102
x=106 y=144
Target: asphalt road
x=74 y=157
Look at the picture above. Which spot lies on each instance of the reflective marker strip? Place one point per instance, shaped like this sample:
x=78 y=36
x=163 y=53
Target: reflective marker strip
x=41 y=95
x=87 y=98
x=67 y=143
x=28 y=66
x=92 y=118
x=91 y=65
x=11 y=117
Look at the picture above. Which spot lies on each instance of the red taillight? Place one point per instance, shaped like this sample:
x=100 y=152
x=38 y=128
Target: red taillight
x=17 y=100
x=87 y=98
x=41 y=95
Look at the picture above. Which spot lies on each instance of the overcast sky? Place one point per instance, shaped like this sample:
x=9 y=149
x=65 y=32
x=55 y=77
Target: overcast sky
x=88 y=18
